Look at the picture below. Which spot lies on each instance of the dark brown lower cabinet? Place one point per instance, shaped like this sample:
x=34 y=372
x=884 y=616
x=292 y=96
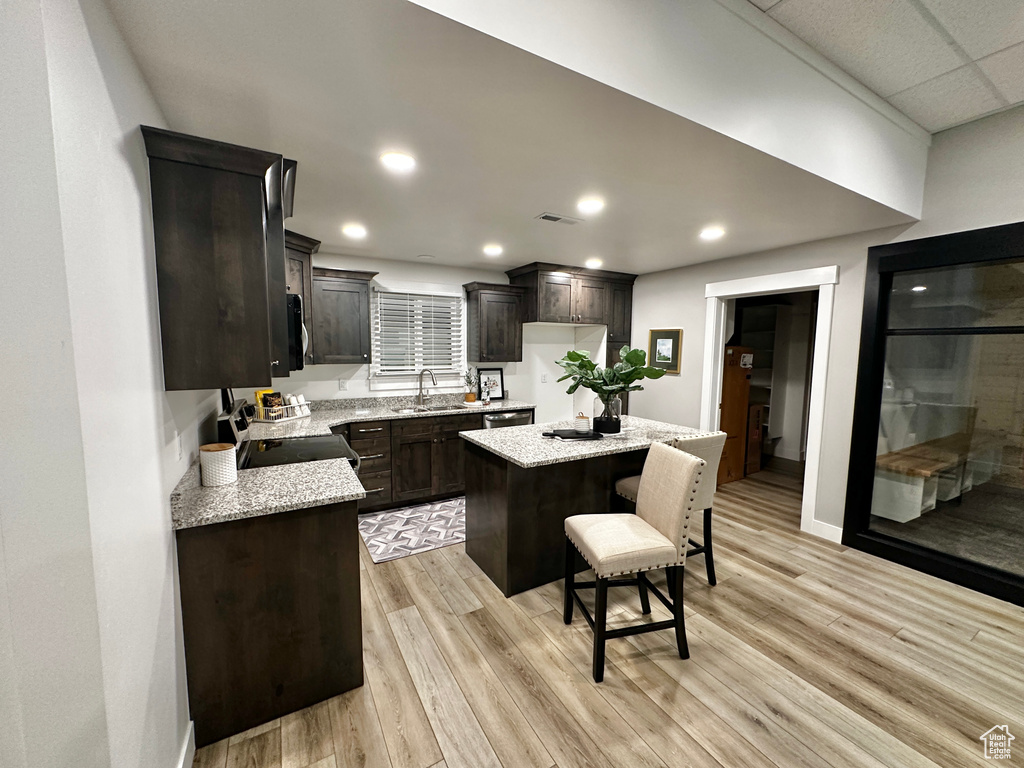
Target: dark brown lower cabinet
x=449 y=464
x=412 y=465
x=270 y=614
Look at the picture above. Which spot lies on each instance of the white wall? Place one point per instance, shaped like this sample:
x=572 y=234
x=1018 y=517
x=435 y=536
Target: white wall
x=974 y=180
x=719 y=65
x=98 y=655
x=51 y=684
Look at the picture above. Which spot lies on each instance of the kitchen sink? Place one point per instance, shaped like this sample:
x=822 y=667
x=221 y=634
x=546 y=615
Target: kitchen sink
x=426 y=409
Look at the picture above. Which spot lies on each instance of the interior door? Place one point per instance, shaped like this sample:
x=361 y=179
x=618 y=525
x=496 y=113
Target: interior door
x=734 y=412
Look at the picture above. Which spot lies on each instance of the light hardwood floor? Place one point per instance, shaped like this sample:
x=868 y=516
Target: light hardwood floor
x=805 y=654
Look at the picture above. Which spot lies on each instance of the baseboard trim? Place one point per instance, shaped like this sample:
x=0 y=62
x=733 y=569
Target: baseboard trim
x=188 y=749
x=832 y=533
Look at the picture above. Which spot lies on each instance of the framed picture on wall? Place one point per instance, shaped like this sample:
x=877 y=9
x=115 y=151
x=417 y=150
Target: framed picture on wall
x=492 y=383
x=665 y=349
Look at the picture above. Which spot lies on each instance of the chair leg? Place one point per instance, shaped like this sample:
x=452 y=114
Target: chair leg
x=709 y=552
x=570 y=579
x=676 y=578
x=600 y=611
x=645 y=601
x=671 y=582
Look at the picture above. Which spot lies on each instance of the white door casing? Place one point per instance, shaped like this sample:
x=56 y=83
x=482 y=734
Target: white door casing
x=824 y=280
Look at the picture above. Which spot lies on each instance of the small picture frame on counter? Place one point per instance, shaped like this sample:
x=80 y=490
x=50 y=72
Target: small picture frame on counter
x=492 y=384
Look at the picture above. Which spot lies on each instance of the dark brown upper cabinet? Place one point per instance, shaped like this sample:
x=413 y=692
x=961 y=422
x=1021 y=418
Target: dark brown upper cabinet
x=494 y=323
x=559 y=294
x=341 y=316
x=298 y=251
x=620 y=312
x=219 y=236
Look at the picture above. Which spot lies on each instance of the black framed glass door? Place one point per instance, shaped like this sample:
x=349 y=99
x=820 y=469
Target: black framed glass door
x=937 y=458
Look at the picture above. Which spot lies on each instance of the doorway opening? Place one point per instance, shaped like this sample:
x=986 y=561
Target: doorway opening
x=788 y=377
x=766 y=387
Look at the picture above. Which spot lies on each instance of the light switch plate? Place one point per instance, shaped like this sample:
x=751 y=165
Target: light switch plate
x=543 y=378
x=342 y=385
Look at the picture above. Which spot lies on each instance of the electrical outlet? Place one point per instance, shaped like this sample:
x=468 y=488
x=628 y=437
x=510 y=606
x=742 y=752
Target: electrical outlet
x=177 y=441
x=543 y=378
x=342 y=385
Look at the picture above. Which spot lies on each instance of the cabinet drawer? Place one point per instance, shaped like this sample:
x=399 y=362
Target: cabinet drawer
x=375 y=455
x=361 y=430
x=378 y=489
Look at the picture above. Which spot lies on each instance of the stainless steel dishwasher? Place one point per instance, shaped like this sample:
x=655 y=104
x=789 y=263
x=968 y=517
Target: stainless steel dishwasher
x=507 y=419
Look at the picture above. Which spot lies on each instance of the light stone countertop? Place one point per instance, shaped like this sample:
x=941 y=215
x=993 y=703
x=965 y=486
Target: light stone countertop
x=263 y=491
x=331 y=413
x=525 y=447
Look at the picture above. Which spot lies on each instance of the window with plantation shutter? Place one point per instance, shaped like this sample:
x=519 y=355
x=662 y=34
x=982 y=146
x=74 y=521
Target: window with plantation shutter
x=413 y=331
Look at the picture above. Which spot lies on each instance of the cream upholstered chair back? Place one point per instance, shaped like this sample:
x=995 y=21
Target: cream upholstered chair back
x=668 y=491
x=707 y=446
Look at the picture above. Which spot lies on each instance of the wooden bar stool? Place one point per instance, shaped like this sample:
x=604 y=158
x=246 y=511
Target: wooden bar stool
x=707 y=446
x=624 y=544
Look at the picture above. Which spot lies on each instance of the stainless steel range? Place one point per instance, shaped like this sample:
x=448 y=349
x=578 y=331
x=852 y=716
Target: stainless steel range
x=233 y=427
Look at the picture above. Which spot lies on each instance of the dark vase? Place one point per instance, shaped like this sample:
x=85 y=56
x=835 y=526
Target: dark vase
x=608 y=415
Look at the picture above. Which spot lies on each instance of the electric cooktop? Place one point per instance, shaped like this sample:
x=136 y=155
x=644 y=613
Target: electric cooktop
x=292 y=450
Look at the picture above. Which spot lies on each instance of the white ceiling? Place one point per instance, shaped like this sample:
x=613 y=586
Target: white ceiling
x=940 y=62
x=500 y=135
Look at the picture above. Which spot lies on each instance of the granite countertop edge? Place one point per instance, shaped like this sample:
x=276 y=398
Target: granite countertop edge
x=263 y=491
x=504 y=443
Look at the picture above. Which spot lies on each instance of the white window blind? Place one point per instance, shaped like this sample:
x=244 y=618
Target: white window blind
x=413 y=331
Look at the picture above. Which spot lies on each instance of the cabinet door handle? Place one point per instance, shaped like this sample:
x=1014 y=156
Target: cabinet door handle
x=374 y=490
x=364 y=356
x=377 y=429
x=275 y=362
x=375 y=456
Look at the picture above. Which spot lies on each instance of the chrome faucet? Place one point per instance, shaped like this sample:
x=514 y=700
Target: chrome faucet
x=433 y=379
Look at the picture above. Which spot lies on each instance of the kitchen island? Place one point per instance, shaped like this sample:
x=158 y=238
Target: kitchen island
x=520 y=487
x=268 y=568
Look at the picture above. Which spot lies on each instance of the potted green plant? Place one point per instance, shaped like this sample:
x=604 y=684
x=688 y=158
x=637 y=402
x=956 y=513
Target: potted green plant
x=608 y=383
x=471 y=379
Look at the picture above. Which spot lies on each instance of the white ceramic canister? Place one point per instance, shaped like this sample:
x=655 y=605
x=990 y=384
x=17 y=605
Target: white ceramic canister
x=217 y=461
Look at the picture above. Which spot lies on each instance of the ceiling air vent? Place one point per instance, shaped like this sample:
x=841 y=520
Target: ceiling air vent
x=558 y=218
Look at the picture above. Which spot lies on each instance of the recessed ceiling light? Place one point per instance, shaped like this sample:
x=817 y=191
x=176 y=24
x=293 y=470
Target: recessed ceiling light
x=919 y=288
x=398 y=162
x=354 y=231
x=711 y=233
x=593 y=263
x=590 y=205
x=426 y=256
x=493 y=249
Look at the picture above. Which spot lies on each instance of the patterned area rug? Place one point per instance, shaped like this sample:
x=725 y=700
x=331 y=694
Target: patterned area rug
x=408 y=531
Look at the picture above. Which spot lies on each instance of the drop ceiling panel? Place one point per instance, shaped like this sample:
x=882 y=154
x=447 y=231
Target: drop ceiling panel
x=980 y=27
x=886 y=44
x=1006 y=71
x=948 y=100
